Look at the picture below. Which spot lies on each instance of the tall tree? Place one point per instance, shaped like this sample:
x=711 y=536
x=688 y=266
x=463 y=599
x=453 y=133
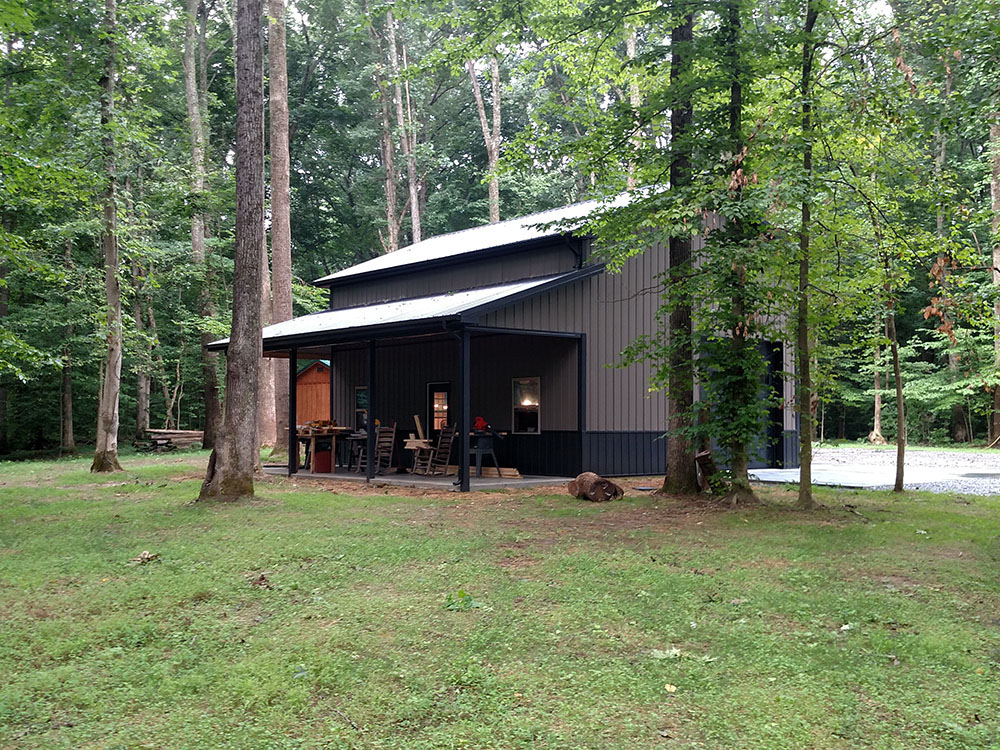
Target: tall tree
x=681 y=476
x=404 y=129
x=802 y=332
x=231 y=466
x=281 y=232
x=994 y=151
x=491 y=130
x=106 y=452
x=196 y=98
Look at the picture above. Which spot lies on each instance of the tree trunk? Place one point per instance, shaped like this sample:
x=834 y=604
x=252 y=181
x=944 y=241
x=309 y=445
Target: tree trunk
x=106 y=452
x=144 y=356
x=491 y=135
x=900 y=411
x=805 y=500
x=231 y=465
x=67 y=438
x=740 y=491
x=4 y=305
x=682 y=475
x=390 y=242
x=196 y=97
x=161 y=370
x=281 y=232
x=404 y=129
x=266 y=417
x=635 y=100
x=995 y=224
x=875 y=437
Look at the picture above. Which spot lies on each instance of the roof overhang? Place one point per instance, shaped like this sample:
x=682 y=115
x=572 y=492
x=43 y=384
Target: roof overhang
x=408 y=317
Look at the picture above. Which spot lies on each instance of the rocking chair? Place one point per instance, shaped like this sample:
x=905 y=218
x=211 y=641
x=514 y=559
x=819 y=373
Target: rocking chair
x=434 y=461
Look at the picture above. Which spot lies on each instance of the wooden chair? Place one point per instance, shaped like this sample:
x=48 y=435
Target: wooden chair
x=385 y=443
x=434 y=461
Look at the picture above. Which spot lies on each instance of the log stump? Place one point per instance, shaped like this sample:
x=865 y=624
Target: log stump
x=596 y=489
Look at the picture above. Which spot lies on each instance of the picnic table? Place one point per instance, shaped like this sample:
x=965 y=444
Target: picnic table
x=169 y=440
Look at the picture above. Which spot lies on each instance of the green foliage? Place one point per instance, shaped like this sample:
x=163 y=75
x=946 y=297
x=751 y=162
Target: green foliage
x=461 y=601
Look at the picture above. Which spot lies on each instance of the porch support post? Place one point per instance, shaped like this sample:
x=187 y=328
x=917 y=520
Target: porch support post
x=330 y=371
x=293 y=439
x=581 y=383
x=370 y=448
x=465 y=409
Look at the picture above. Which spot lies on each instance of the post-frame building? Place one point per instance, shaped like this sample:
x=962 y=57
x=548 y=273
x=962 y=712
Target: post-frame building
x=518 y=323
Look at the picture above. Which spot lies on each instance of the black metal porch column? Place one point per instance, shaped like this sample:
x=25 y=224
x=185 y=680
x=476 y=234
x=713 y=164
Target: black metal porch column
x=293 y=439
x=332 y=351
x=465 y=408
x=370 y=447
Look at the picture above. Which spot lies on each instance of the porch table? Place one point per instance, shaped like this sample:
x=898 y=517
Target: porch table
x=308 y=436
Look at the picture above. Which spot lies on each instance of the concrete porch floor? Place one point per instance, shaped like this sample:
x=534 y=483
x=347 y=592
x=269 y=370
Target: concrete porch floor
x=438 y=483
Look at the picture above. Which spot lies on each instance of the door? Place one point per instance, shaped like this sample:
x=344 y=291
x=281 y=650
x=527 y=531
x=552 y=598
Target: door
x=437 y=407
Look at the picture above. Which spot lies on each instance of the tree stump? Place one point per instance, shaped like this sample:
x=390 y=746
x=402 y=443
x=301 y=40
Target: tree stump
x=596 y=489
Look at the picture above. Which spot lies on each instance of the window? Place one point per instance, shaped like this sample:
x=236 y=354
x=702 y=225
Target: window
x=437 y=405
x=527 y=396
x=360 y=407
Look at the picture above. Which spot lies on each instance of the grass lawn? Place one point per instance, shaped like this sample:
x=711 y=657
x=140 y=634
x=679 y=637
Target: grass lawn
x=493 y=620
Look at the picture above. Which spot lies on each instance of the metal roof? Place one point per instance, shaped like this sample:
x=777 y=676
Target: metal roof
x=488 y=236
x=453 y=306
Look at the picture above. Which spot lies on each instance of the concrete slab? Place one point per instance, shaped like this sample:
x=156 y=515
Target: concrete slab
x=867 y=477
x=439 y=483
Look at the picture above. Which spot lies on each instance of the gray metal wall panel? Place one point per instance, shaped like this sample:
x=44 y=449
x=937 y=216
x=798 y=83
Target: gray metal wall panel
x=486 y=272
x=612 y=309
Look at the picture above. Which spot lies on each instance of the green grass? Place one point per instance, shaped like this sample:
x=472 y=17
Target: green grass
x=487 y=621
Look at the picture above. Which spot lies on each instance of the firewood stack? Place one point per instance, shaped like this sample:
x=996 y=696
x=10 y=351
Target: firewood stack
x=590 y=486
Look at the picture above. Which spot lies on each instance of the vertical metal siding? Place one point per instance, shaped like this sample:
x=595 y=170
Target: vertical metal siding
x=613 y=310
x=462 y=275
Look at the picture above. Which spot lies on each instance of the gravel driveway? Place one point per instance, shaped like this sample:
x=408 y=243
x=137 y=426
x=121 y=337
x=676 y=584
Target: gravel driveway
x=960 y=472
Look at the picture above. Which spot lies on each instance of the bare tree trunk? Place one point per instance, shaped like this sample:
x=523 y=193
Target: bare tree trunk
x=390 y=242
x=491 y=134
x=161 y=369
x=106 y=452
x=144 y=356
x=805 y=500
x=875 y=437
x=995 y=223
x=682 y=476
x=281 y=232
x=266 y=422
x=67 y=439
x=231 y=466
x=404 y=129
x=634 y=99
x=900 y=410
x=196 y=97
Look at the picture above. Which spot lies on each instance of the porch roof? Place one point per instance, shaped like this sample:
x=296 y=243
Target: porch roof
x=399 y=317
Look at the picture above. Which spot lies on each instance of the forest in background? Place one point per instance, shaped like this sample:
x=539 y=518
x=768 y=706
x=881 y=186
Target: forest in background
x=418 y=118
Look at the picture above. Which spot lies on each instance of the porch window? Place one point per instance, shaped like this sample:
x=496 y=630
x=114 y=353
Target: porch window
x=526 y=400
x=361 y=407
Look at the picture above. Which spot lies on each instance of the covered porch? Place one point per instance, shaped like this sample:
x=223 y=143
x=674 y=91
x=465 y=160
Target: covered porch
x=525 y=385
x=432 y=359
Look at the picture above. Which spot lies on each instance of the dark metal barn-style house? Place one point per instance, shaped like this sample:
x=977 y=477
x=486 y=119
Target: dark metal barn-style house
x=512 y=322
